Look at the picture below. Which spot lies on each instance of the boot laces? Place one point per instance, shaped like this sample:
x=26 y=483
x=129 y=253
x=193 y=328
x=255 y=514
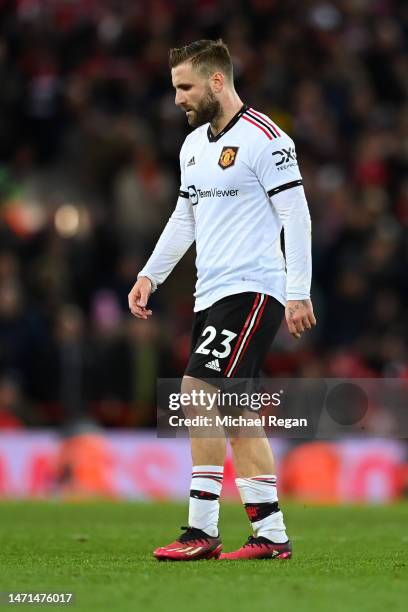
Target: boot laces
x=253 y=541
x=192 y=533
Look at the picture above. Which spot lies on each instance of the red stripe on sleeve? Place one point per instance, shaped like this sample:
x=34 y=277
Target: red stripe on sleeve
x=268 y=121
x=258 y=126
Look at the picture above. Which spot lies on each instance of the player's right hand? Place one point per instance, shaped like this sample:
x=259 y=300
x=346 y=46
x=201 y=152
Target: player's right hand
x=139 y=296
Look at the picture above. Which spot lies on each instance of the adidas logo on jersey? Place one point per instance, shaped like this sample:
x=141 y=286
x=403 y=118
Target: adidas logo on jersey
x=191 y=162
x=213 y=365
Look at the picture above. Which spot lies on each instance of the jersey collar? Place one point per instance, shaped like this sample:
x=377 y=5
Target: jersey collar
x=230 y=124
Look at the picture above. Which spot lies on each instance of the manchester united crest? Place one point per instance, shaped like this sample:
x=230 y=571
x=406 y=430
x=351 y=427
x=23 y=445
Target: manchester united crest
x=228 y=157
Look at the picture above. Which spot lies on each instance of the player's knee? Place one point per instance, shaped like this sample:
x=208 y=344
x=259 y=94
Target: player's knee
x=189 y=384
x=190 y=388
x=199 y=396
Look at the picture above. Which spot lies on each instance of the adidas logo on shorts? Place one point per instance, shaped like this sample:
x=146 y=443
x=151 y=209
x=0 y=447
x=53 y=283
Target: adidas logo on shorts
x=213 y=365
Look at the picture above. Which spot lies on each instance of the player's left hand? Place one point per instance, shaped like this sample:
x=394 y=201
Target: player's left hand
x=299 y=316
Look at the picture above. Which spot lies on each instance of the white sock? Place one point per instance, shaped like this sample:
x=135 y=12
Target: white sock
x=205 y=490
x=260 y=497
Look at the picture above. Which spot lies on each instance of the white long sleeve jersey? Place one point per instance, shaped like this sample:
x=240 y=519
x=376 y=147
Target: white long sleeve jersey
x=238 y=189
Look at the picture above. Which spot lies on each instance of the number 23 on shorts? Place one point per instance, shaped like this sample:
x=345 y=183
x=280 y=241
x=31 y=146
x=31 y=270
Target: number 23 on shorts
x=209 y=335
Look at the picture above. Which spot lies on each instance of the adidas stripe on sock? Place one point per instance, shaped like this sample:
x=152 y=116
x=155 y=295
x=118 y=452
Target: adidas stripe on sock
x=205 y=490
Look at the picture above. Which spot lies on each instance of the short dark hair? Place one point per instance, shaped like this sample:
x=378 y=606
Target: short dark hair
x=205 y=55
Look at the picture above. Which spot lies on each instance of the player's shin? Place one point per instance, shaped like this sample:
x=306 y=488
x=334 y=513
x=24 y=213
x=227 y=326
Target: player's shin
x=205 y=490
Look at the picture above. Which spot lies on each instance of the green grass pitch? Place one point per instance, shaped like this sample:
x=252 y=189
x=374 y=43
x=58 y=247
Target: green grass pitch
x=345 y=558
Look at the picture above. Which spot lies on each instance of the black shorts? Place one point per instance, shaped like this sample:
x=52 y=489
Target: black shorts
x=231 y=338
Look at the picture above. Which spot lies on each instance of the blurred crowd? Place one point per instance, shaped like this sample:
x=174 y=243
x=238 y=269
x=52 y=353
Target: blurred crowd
x=89 y=143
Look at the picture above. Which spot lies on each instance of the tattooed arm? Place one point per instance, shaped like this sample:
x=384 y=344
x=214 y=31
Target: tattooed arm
x=299 y=316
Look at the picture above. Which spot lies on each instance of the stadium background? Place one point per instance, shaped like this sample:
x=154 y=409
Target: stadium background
x=89 y=142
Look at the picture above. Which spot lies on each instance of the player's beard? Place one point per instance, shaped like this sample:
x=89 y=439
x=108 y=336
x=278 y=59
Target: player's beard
x=206 y=111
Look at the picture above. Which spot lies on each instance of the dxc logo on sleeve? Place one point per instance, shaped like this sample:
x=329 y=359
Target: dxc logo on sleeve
x=286 y=158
